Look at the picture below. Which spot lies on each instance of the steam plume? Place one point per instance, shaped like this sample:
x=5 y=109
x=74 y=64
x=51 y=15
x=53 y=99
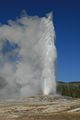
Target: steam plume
x=27 y=56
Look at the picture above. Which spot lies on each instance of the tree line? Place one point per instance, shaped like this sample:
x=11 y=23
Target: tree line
x=69 y=89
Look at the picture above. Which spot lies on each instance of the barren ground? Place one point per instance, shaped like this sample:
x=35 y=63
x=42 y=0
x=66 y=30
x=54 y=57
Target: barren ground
x=40 y=108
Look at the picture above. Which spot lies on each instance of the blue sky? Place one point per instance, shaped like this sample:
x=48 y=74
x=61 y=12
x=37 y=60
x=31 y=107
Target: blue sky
x=67 y=26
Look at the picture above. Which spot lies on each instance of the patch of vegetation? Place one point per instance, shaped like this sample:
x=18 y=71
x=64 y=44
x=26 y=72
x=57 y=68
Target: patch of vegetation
x=71 y=89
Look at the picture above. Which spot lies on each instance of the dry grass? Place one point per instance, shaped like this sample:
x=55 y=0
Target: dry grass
x=53 y=116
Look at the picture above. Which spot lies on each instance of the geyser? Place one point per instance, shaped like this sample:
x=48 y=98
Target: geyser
x=27 y=57
x=49 y=56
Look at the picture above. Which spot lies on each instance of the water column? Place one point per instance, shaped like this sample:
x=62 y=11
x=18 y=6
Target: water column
x=49 y=57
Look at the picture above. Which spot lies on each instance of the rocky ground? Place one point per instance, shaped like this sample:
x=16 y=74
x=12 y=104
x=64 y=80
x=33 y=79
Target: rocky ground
x=40 y=108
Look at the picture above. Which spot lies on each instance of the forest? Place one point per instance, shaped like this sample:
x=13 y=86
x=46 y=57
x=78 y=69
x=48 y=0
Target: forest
x=71 y=89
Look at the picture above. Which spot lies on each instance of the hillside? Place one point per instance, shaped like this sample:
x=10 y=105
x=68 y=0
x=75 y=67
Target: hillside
x=71 y=89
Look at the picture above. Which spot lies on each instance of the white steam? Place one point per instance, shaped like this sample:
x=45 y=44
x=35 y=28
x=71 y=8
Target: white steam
x=35 y=71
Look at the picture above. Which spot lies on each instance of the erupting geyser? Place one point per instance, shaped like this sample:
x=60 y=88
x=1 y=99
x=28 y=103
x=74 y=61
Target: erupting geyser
x=49 y=56
x=27 y=57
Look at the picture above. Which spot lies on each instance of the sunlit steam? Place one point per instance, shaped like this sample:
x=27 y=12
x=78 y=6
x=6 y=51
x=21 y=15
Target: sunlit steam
x=27 y=57
x=49 y=56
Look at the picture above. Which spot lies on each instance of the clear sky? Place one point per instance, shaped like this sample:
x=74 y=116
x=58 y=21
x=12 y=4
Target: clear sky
x=67 y=26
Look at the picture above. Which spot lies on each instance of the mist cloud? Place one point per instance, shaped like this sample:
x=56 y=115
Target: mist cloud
x=21 y=64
